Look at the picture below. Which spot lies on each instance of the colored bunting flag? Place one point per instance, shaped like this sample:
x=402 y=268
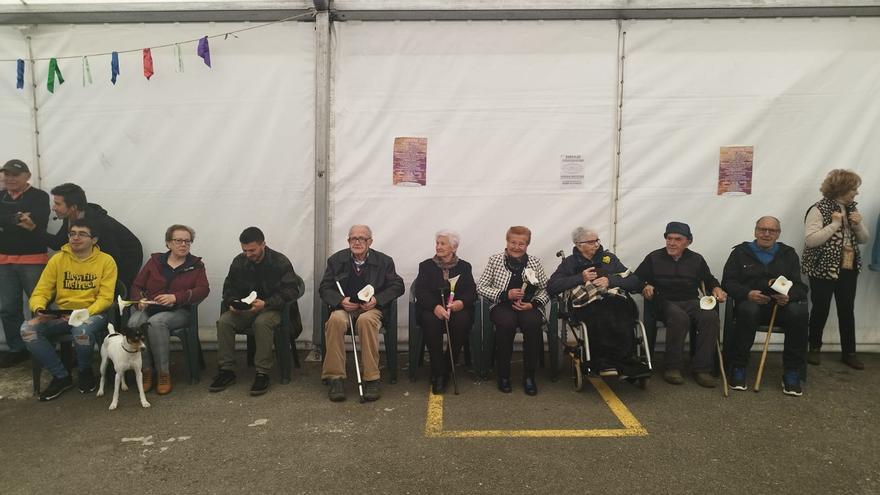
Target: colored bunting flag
x=204 y=51
x=179 y=54
x=114 y=67
x=87 y=71
x=148 y=63
x=53 y=70
x=19 y=81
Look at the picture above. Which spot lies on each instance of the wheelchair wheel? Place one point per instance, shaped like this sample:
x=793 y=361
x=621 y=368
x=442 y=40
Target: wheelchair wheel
x=578 y=375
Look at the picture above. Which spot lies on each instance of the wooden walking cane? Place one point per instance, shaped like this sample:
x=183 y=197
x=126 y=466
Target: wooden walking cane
x=766 y=346
x=725 y=388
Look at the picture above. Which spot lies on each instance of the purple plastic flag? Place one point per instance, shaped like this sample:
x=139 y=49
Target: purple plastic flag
x=204 y=50
x=19 y=81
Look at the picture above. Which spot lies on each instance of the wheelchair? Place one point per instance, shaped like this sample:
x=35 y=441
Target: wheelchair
x=575 y=342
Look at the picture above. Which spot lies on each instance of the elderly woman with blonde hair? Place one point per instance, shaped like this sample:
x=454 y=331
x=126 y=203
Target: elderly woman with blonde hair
x=432 y=291
x=833 y=230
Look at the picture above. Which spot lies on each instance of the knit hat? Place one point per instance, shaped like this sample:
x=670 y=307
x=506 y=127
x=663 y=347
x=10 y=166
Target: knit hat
x=679 y=228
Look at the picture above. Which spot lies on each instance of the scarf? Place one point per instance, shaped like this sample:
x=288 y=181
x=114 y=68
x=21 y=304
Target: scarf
x=446 y=266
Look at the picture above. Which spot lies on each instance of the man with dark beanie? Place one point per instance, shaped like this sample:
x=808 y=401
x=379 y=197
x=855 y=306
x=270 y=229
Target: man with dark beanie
x=672 y=277
x=22 y=252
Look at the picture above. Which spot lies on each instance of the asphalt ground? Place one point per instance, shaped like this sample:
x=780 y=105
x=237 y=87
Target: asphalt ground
x=664 y=439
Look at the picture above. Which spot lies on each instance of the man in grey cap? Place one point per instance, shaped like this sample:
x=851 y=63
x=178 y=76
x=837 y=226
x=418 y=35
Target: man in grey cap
x=22 y=252
x=672 y=277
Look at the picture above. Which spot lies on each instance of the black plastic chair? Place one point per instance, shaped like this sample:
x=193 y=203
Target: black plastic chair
x=416 y=342
x=388 y=329
x=651 y=323
x=192 y=346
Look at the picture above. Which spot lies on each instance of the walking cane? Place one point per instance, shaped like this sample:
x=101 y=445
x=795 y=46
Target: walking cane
x=766 y=346
x=449 y=340
x=725 y=389
x=354 y=348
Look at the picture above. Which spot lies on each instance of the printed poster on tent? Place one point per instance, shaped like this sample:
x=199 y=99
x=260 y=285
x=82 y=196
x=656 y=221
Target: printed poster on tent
x=735 y=170
x=571 y=171
x=410 y=161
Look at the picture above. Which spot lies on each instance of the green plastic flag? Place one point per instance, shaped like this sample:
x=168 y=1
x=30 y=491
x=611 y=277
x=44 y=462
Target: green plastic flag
x=53 y=69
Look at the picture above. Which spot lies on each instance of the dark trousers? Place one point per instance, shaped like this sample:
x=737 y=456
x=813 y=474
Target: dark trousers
x=792 y=318
x=433 y=330
x=844 y=291
x=680 y=315
x=506 y=321
x=610 y=324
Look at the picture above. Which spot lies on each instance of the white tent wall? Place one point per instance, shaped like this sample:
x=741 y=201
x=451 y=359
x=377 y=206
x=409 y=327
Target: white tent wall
x=16 y=121
x=804 y=92
x=218 y=148
x=499 y=102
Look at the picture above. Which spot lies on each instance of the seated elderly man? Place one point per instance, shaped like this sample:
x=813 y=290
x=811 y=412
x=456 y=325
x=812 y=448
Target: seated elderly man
x=599 y=282
x=352 y=269
x=673 y=277
x=749 y=270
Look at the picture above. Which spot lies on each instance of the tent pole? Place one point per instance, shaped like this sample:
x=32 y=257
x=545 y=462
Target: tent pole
x=618 y=126
x=322 y=160
x=34 y=112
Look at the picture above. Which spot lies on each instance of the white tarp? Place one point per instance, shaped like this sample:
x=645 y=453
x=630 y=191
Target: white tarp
x=218 y=148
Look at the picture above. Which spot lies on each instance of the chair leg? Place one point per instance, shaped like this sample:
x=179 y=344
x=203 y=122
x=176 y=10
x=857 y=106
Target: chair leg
x=251 y=350
x=295 y=355
x=282 y=353
x=391 y=352
x=415 y=351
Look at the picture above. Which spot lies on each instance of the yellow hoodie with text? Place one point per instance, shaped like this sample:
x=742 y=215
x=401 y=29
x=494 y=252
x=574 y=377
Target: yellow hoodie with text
x=75 y=284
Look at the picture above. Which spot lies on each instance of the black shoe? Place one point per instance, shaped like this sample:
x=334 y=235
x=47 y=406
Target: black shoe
x=852 y=361
x=791 y=384
x=371 y=390
x=337 y=390
x=56 y=388
x=633 y=371
x=438 y=385
x=814 y=356
x=504 y=385
x=261 y=384
x=529 y=386
x=10 y=359
x=86 y=381
x=223 y=379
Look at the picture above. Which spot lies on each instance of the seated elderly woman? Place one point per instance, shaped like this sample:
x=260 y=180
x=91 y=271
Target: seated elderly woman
x=167 y=286
x=432 y=291
x=517 y=302
x=602 y=303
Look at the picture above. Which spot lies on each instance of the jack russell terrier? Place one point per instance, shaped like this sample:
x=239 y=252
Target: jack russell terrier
x=124 y=349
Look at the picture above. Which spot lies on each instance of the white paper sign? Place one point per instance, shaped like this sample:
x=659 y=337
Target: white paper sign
x=571 y=171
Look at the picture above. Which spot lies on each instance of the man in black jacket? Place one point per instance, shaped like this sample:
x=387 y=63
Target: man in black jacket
x=22 y=252
x=353 y=269
x=748 y=273
x=69 y=203
x=271 y=275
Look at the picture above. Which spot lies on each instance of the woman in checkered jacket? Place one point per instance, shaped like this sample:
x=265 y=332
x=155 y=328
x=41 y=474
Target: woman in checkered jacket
x=516 y=303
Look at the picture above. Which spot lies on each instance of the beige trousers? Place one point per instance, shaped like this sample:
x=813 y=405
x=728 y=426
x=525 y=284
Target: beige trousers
x=367 y=324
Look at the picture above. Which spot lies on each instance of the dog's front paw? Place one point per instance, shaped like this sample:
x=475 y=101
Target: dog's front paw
x=113 y=405
x=100 y=393
x=145 y=404
x=124 y=386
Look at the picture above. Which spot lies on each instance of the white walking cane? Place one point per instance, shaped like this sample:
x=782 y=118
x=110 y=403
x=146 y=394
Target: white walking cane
x=357 y=366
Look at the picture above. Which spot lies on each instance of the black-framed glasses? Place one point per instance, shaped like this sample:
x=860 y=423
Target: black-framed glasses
x=353 y=240
x=589 y=242
x=182 y=242
x=76 y=233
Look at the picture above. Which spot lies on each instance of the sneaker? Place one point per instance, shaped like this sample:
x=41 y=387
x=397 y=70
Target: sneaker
x=529 y=386
x=791 y=384
x=608 y=372
x=673 y=376
x=704 y=379
x=504 y=385
x=738 y=379
x=261 y=384
x=148 y=379
x=11 y=359
x=814 y=356
x=371 y=390
x=852 y=361
x=86 y=381
x=223 y=379
x=56 y=388
x=337 y=390
x=164 y=383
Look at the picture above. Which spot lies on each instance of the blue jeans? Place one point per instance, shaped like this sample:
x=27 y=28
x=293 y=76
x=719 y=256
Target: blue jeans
x=36 y=338
x=15 y=280
x=159 y=335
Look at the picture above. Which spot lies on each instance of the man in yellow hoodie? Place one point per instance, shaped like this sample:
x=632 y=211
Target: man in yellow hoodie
x=79 y=276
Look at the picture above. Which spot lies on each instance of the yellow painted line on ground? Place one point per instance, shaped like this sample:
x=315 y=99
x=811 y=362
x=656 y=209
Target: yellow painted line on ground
x=632 y=427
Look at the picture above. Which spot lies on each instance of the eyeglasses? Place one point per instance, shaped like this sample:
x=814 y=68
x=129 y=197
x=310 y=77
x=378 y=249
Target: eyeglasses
x=182 y=242
x=353 y=240
x=767 y=231
x=590 y=242
x=73 y=233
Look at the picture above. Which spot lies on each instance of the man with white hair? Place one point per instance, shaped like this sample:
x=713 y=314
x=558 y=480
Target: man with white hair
x=353 y=269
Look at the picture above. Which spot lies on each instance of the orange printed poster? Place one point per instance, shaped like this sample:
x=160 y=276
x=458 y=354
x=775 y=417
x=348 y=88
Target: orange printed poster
x=735 y=170
x=410 y=161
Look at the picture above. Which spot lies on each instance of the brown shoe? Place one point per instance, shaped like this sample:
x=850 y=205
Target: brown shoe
x=814 y=357
x=704 y=379
x=164 y=384
x=673 y=376
x=852 y=361
x=148 y=379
